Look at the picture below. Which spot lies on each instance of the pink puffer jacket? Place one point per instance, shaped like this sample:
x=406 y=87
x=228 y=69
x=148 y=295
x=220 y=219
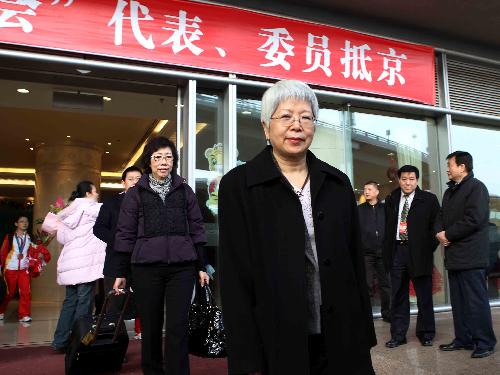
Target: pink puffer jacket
x=82 y=256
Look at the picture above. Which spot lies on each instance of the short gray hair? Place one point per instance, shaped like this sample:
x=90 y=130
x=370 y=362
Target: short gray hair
x=284 y=90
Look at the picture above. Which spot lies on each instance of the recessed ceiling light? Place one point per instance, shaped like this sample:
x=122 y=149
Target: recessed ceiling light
x=106 y=98
x=107 y=152
x=31 y=148
x=68 y=136
x=23 y=91
x=109 y=143
x=84 y=71
x=27 y=139
x=246 y=113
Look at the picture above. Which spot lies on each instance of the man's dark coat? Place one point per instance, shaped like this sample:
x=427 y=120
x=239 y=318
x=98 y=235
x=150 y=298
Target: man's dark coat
x=421 y=235
x=262 y=270
x=105 y=229
x=464 y=218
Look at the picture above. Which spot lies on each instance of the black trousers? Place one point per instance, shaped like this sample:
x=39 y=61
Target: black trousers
x=471 y=308
x=374 y=265
x=158 y=287
x=318 y=361
x=400 y=281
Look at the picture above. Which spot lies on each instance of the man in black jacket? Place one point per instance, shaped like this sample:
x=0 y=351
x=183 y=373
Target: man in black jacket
x=372 y=220
x=462 y=228
x=408 y=255
x=105 y=230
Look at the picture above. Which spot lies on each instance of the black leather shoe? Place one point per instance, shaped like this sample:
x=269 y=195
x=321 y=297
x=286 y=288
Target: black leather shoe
x=386 y=319
x=427 y=342
x=454 y=346
x=393 y=343
x=481 y=353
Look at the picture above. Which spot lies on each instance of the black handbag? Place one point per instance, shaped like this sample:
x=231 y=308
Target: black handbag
x=207 y=337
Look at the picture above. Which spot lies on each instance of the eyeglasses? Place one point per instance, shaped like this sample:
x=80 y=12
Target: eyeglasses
x=159 y=158
x=288 y=120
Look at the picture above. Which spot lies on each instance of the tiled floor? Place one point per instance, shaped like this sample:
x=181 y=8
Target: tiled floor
x=409 y=359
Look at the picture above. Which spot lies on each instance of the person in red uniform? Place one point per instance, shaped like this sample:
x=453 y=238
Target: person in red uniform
x=15 y=253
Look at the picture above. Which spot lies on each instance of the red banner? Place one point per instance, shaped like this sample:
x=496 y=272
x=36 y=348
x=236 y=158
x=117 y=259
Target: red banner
x=224 y=39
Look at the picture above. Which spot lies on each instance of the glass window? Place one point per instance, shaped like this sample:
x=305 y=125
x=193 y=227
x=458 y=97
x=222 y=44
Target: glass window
x=329 y=143
x=365 y=145
x=480 y=142
x=250 y=136
x=382 y=142
x=209 y=165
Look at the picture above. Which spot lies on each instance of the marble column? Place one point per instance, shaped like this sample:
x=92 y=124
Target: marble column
x=59 y=168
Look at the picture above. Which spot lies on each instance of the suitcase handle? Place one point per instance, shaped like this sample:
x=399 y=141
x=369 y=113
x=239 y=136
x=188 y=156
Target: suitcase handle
x=91 y=336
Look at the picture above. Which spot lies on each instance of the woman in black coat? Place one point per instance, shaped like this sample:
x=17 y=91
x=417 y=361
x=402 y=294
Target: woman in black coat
x=293 y=283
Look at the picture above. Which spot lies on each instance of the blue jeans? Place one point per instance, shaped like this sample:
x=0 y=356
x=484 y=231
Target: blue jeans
x=78 y=302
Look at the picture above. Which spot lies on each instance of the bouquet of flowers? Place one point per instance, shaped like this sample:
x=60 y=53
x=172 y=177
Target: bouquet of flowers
x=39 y=255
x=47 y=233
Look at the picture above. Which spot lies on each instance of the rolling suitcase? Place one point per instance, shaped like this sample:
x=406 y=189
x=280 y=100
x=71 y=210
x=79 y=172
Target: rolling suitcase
x=98 y=343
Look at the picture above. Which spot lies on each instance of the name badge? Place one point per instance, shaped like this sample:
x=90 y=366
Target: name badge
x=403 y=227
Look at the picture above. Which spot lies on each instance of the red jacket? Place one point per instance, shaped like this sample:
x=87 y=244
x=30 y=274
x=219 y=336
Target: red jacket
x=34 y=252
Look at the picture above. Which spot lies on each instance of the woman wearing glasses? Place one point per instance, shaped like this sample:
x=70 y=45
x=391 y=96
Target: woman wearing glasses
x=293 y=285
x=160 y=226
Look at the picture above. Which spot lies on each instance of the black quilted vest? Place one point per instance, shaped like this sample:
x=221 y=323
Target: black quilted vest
x=164 y=218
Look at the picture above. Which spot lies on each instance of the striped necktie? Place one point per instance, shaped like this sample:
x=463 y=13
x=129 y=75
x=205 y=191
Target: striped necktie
x=403 y=224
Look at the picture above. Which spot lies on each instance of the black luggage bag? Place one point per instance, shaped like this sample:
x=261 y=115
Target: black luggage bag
x=98 y=343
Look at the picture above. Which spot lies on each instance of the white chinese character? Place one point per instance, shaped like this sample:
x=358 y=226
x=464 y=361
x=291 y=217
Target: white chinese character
x=67 y=4
x=392 y=71
x=119 y=16
x=276 y=40
x=356 y=55
x=23 y=23
x=182 y=37
x=319 y=50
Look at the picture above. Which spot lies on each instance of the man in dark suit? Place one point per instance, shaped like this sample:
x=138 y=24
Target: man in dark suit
x=105 y=229
x=462 y=228
x=372 y=220
x=408 y=255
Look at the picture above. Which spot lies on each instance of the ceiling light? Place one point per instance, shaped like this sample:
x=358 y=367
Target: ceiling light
x=111 y=174
x=107 y=152
x=18 y=170
x=23 y=91
x=68 y=136
x=31 y=148
x=106 y=98
x=200 y=126
x=111 y=185
x=27 y=139
x=246 y=113
x=109 y=143
x=157 y=129
x=14 y=181
x=84 y=71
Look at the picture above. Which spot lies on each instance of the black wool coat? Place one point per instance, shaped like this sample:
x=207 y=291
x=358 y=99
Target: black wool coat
x=105 y=230
x=421 y=220
x=262 y=270
x=464 y=217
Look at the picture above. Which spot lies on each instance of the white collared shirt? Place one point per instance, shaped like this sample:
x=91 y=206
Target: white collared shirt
x=401 y=204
